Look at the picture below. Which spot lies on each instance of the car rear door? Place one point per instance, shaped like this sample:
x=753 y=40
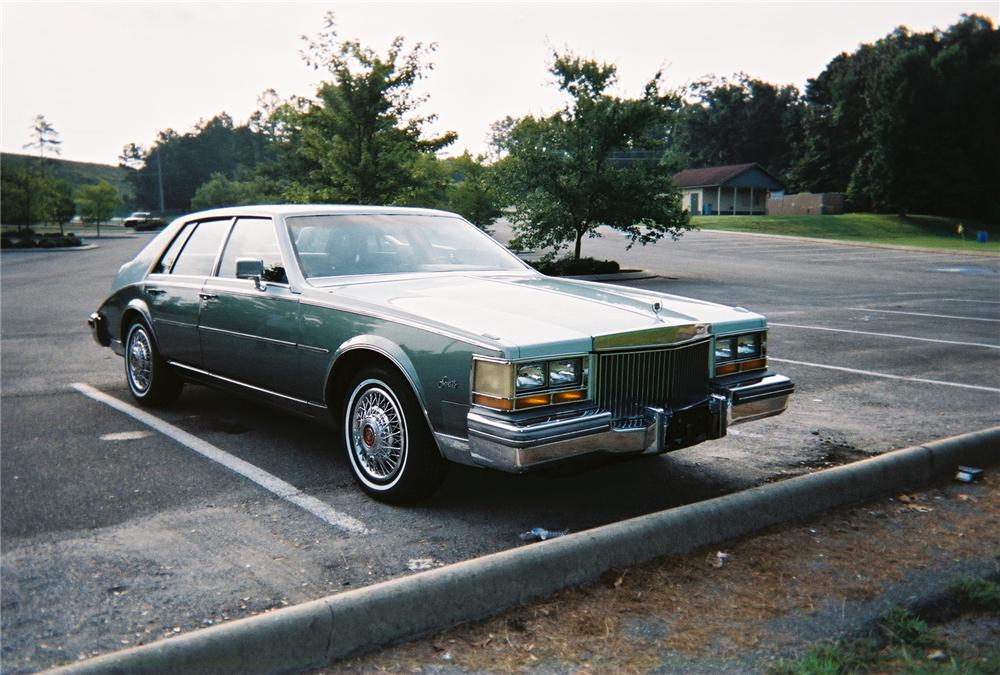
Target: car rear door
x=174 y=288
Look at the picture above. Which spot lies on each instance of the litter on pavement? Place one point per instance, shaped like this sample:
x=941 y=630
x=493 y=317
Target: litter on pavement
x=967 y=474
x=541 y=534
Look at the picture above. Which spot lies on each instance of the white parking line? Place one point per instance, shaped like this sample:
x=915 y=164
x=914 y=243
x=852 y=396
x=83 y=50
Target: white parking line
x=886 y=335
x=981 y=302
x=933 y=316
x=271 y=483
x=887 y=376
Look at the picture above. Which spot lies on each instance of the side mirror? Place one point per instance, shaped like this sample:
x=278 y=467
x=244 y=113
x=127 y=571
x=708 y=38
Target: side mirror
x=250 y=268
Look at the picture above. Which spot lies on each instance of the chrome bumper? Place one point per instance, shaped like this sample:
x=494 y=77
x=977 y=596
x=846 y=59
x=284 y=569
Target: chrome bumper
x=506 y=445
x=98 y=330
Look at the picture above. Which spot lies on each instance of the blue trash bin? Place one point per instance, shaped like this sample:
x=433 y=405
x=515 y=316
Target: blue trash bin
x=981 y=236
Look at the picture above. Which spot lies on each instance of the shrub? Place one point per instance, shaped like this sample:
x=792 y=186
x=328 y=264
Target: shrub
x=571 y=266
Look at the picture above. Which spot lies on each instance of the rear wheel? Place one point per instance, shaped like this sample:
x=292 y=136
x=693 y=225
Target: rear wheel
x=390 y=449
x=149 y=378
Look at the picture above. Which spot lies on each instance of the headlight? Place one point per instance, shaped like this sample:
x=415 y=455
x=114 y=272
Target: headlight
x=563 y=373
x=740 y=353
x=530 y=376
x=746 y=346
x=508 y=386
x=724 y=349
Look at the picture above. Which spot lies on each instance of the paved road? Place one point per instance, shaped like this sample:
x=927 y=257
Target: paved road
x=114 y=533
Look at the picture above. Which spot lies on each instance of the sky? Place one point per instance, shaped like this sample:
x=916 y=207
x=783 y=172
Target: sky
x=105 y=74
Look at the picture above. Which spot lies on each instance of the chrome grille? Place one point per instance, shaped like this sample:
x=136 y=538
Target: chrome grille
x=670 y=378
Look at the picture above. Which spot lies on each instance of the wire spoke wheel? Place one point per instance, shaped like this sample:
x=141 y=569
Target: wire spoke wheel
x=392 y=454
x=139 y=360
x=149 y=378
x=378 y=433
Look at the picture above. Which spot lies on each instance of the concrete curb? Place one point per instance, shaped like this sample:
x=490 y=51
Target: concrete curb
x=54 y=249
x=614 y=276
x=315 y=633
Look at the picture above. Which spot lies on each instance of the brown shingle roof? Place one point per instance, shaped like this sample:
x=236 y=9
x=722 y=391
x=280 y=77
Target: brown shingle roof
x=712 y=175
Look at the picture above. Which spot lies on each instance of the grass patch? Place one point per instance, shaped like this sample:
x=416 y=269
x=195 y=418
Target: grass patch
x=920 y=231
x=834 y=659
x=977 y=593
x=905 y=643
x=903 y=627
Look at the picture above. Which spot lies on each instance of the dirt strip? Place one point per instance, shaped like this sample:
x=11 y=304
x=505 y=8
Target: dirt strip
x=753 y=605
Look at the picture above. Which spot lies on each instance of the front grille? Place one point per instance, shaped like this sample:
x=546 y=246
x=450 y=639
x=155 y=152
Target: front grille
x=670 y=378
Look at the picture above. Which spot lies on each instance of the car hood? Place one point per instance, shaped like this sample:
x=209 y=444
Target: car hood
x=531 y=315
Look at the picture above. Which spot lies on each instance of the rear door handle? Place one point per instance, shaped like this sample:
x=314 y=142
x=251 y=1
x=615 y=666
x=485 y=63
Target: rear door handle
x=207 y=296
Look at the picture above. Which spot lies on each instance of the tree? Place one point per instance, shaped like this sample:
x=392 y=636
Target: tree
x=219 y=191
x=59 y=206
x=44 y=137
x=97 y=202
x=20 y=196
x=471 y=191
x=739 y=121
x=362 y=140
x=909 y=123
x=595 y=162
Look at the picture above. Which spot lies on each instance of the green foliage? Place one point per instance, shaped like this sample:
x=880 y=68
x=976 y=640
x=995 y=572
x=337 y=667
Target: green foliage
x=595 y=162
x=58 y=205
x=833 y=659
x=44 y=241
x=909 y=123
x=20 y=188
x=575 y=266
x=471 y=191
x=220 y=191
x=73 y=173
x=32 y=196
x=901 y=626
x=44 y=137
x=187 y=161
x=978 y=593
x=362 y=139
x=97 y=203
x=740 y=121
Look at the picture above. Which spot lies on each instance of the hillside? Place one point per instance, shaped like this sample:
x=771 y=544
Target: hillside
x=79 y=173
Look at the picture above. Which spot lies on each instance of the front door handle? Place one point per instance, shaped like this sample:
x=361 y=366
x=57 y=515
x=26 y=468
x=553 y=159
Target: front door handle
x=207 y=296
x=155 y=291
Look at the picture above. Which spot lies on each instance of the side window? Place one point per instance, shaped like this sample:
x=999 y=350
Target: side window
x=198 y=254
x=254 y=238
x=167 y=261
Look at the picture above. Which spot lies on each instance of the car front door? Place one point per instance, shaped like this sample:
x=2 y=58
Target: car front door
x=173 y=289
x=249 y=329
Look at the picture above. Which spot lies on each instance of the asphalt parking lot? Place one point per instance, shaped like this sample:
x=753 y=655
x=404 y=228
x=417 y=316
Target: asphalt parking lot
x=115 y=532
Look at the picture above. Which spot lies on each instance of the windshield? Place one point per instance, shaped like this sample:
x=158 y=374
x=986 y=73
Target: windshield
x=335 y=245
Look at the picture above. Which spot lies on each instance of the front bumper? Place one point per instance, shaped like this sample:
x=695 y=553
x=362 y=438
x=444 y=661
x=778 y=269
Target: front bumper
x=507 y=445
x=99 y=330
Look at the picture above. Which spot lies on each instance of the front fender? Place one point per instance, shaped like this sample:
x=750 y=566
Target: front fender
x=389 y=350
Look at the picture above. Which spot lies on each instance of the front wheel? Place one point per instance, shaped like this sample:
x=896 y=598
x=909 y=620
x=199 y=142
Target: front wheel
x=149 y=378
x=391 y=451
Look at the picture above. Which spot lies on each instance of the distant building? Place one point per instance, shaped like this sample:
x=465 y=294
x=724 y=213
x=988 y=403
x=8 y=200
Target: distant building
x=735 y=189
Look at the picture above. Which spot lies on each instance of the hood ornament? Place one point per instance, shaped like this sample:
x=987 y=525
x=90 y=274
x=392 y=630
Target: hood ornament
x=656 y=309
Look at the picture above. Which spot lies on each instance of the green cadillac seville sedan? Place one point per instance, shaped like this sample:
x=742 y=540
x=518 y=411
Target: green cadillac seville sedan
x=424 y=342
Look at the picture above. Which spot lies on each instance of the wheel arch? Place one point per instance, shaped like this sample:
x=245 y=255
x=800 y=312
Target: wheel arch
x=135 y=308
x=367 y=350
